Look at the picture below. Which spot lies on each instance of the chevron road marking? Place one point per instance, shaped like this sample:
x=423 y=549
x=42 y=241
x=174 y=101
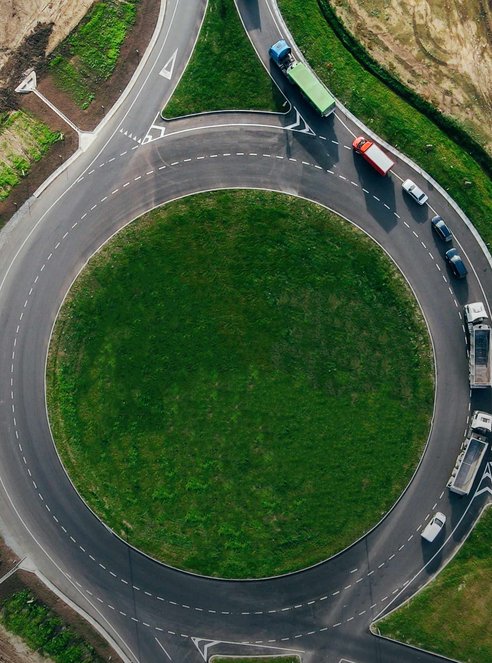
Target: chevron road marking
x=211 y=643
x=487 y=476
x=299 y=121
x=149 y=138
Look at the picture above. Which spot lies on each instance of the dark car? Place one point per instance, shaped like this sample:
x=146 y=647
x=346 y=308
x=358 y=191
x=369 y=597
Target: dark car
x=441 y=229
x=455 y=263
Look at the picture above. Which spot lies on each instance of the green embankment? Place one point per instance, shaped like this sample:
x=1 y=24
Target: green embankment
x=90 y=53
x=23 y=141
x=223 y=386
x=388 y=114
x=224 y=71
x=452 y=615
x=44 y=631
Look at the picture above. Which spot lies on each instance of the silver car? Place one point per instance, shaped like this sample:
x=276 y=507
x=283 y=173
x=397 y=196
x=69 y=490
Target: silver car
x=413 y=190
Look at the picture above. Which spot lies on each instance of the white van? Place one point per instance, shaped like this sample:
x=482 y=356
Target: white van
x=433 y=527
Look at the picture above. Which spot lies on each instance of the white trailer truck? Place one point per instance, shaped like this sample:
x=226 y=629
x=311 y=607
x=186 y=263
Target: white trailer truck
x=479 y=336
x=471 y=454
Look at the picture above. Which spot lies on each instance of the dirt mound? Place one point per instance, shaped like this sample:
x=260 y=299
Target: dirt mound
x=440 y=48
x=21 y=18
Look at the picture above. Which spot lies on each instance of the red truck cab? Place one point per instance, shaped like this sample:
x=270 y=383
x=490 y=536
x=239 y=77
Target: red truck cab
x=373 y=154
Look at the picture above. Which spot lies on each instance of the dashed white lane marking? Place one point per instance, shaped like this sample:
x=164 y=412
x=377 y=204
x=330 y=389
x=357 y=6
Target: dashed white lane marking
x=137 y=178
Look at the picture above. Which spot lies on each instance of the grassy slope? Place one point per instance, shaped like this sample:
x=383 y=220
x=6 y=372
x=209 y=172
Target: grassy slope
x=224 y=72
x=220 y=408
x=44 y=631
x=452 y=615
x=23 y=140
x=389 y=115
x=90 y=53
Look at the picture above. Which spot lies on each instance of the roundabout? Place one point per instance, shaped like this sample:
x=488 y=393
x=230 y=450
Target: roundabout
x=150 y=611
x=222 y=384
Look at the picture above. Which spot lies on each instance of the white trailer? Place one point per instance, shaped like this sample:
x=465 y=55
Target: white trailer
x=479 y=336
x=471 y=454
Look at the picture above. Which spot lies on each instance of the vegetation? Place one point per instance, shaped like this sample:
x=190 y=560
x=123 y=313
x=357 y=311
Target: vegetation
x=452 y=615
x=223 y=386
x=23 y=140
x=388 y=114
x=90 y=53
x=44 y=631
x=224 y=72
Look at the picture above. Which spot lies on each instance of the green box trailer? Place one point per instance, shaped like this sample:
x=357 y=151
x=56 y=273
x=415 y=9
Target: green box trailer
x=312 y=88
x=301 y=76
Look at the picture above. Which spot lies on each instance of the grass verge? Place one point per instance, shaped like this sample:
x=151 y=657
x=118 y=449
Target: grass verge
x=23 y=140
x=44 y=631
x=388 y=114
x=213 y=400
x=452 y=615
x=224 y=71
x=90 y=53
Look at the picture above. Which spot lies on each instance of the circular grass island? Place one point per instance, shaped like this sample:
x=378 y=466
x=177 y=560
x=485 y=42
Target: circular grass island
x=240 y=383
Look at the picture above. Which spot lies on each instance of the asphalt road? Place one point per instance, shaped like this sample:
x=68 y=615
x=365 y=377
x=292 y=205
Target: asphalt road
x=135 y=163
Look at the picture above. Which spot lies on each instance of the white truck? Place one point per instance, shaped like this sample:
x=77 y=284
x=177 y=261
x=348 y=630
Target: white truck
x=479 y=334
x=471 y=454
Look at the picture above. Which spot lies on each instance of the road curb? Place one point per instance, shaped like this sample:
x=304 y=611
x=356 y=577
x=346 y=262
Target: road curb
x=86 y=137
x=393 y=150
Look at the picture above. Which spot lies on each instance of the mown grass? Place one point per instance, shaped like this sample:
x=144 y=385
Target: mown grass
x=90 y=53
x=388 y=115
x=224 y=71
x=44 y=631
x=224 y=389
x=23 y=141
x=452 y=615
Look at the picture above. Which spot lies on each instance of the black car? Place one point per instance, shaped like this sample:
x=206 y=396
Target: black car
x=441 y=229
x=456 y=264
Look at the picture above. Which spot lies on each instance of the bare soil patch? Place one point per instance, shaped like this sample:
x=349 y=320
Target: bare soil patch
x=21 y=18
x=34 y=45
x=440 y=48
x=108 y=91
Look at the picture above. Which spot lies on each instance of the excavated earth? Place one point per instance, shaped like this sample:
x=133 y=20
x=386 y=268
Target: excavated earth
x=440 y=48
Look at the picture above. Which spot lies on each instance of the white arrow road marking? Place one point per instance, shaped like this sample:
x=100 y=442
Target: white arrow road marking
x=149 y=137
x=163 y=649
x=486 y=475
x=168 y=68
x=212 y=643
x=299 y=121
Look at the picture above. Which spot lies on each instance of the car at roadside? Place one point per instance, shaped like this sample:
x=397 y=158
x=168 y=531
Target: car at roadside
x=456 y=264
x=413 y=190
x=441 y=229
x=433 y=527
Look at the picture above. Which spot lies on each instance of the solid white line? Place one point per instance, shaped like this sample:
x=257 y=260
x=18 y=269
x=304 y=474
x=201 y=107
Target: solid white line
x=163 y=649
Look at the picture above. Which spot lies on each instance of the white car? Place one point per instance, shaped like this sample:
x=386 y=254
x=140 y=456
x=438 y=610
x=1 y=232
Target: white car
x=413 y=190
x=433 y=527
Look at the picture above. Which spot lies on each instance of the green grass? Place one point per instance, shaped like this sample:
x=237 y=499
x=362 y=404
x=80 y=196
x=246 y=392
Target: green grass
x=388 y=115
x=224 y=72
x=452 y=615
x=223 y=385
x=89 y=55
x=44 y=631
x=23 y=140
